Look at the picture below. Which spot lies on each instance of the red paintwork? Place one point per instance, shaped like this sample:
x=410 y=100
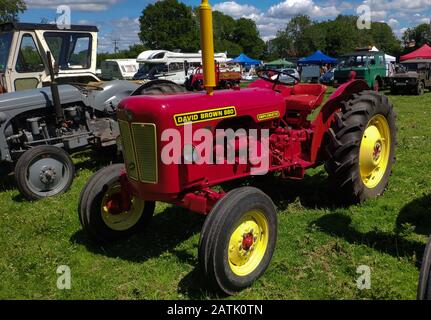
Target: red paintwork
x=295 y=142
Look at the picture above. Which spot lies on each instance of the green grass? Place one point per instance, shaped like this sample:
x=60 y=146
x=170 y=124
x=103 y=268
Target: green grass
x=319 y=247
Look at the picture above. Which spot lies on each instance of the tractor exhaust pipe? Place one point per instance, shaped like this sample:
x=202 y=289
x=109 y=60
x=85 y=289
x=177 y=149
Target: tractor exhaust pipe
x=54 y=91
x=207 y=46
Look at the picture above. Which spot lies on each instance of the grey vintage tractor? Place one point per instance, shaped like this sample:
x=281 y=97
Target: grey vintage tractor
x=49 y=108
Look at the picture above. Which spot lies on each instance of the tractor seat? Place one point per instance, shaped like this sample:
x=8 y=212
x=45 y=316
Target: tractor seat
x=305 y=97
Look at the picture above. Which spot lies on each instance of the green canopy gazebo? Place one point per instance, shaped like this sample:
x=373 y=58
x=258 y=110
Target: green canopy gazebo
x=280 y=64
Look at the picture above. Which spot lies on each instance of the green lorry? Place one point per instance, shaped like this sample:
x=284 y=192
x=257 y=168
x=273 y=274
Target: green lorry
x=368 y=65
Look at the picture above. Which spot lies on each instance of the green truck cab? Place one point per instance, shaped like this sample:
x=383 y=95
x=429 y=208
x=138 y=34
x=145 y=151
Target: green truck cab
x=368 y=65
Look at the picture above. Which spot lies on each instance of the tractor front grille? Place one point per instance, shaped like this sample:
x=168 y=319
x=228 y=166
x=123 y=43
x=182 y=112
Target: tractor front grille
x=140 y=151
x=144 y=135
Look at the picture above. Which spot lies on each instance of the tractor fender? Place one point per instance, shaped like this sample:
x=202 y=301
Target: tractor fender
x=324 y=120
x=110 y=94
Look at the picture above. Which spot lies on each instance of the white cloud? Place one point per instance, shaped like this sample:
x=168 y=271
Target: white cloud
x=393 y=23
x=124 y=30
x=235 y=10
x=79 y=5
x=290 y=8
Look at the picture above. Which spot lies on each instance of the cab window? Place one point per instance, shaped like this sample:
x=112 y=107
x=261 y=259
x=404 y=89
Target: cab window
x=176 y=66
x=29 y=59
x=70 y=50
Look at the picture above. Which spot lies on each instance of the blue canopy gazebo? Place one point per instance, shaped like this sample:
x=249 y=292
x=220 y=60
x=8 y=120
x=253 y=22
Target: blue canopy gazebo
x=245 y=60
x=318 y=58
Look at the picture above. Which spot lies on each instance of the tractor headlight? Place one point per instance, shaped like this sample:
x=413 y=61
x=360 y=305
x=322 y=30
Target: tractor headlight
x=129 y=115
x=190 y=154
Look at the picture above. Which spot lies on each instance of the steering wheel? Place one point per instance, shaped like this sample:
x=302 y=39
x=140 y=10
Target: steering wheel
x=273 y=76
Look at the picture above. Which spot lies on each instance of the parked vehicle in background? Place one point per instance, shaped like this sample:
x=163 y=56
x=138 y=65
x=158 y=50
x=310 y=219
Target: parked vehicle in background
x=289 y=71
x=23 y=47
x=225 y=79
x=310 y=73
x=119 y=69
x=328 y=77
x=368 y=65
x=173 y=66
x=412 y=76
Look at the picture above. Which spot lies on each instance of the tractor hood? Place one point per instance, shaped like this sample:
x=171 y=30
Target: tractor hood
x=12 y=104
x=202 y=110
x=408 y=74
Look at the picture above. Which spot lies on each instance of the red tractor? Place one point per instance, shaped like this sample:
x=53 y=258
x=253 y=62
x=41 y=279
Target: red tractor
x=354 y=136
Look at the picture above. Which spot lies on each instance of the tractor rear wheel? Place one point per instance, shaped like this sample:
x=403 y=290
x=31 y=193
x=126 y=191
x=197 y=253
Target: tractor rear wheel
x=238 y=239
x=424 y=290
x=103 y=212
x=44 y=171
x=159 y=87
x=361 y=148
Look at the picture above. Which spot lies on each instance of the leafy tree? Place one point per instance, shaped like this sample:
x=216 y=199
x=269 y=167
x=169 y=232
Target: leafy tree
x=334 y=37
x=384 y=38
x=9 y=10
x=279 y=47
x=169 y=25
x=247 y=36
x=420 y=35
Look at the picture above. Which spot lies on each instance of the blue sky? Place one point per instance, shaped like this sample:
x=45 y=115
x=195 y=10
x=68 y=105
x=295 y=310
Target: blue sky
x=118 y=19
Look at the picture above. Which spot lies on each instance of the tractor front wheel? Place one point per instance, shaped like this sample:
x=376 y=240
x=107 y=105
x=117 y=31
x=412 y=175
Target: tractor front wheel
x=107 y=213
x=424 y=290
x=361 y=151
x=238 y=239
x=44 y=171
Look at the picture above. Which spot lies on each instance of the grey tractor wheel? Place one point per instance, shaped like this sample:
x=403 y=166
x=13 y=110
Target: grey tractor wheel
x=361 y=148
x=44 y=171
x=238 y=240
x=424 y=290
x=100 y=211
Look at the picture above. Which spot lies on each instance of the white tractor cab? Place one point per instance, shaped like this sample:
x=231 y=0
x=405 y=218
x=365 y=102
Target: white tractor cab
x=119 y=69
x=24 y=60
x=173 y=66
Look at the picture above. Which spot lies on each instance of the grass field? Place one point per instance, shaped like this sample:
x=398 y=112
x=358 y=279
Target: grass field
x=319 y=249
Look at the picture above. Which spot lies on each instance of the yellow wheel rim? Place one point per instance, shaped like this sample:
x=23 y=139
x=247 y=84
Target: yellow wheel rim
x=121 y=221
x=248 y=243
x=375 y=151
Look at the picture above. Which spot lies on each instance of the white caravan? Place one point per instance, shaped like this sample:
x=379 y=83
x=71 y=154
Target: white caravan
x=173 y=66
x=119 y=69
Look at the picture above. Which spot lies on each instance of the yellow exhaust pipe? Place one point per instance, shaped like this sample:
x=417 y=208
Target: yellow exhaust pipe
x=207 y=46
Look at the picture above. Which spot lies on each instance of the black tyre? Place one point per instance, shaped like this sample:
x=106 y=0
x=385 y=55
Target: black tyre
x=238 y=240
x=101 y=210
x=424 y=290
x=44 y=171
x=420 y=90
x=159 y=87
x=361 y=148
